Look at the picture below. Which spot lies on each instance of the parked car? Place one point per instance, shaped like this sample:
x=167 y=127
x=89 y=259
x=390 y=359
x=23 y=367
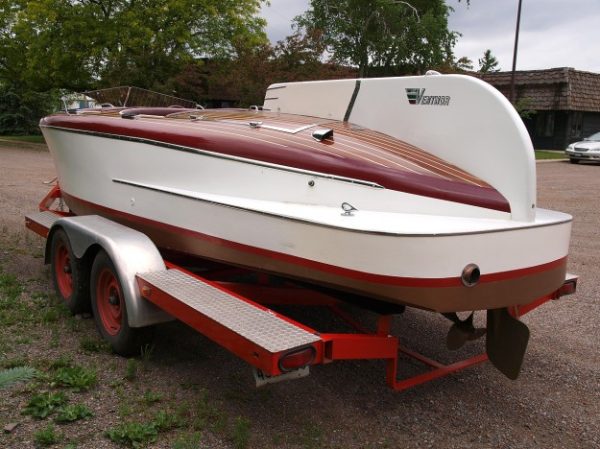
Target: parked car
x=586 y=150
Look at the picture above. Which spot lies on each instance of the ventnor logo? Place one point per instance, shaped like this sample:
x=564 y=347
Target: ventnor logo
x=416 y=95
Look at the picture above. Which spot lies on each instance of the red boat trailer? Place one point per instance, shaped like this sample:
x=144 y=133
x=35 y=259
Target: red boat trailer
x=237 y=316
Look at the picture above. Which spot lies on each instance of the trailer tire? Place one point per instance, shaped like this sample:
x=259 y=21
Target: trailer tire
x=68 y=274
x=110 y=310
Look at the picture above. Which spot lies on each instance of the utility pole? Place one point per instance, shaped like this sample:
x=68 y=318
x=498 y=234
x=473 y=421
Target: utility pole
x=514 y=64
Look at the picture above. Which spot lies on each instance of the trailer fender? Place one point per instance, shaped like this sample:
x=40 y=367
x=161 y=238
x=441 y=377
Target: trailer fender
x=131 y=252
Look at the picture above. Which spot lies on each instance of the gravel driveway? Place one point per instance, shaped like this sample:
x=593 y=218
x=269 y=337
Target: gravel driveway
x=554 y=404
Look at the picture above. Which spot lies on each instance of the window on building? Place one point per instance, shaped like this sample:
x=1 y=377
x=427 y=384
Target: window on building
x=576 y=124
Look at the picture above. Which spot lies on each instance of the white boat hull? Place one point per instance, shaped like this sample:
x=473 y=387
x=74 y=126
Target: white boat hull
x=270 y=218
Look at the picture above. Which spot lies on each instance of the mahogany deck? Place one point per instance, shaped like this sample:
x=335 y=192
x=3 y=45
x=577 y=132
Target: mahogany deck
x=353 y=152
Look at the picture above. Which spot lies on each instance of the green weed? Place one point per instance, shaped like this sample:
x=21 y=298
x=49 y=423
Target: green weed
x=164 y=421
x=47 y=436
x=133 y=434
x=146 y=354
x=75 y=377
x=151 y=397
x=241 y=433
x=50 y=315
x=16 y=374
x=90 y=344
x=63 y=361
x=208 y=415
x=131 y=370
x=13 y=363
x=71 y=413
x=42 y=405
x=191 y=441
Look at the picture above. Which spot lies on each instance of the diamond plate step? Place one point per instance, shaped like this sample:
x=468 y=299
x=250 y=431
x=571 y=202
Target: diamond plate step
x=45 y=219
x=257 y=325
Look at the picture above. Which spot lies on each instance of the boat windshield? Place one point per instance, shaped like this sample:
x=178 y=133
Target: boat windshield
x=126 y=96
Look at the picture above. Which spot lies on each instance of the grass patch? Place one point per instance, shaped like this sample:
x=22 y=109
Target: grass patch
x=75 y=377
x=133 y=434
x=191 y=441
x=131 y=370
x=151 y=397
x=72 y=413
x=544 y=155
x=241 y=433
x=42 y=405
x=208 y=416
x=165 y=421
x=47 y=436
x=28 y=139
x=16 y=374
x=91 y=344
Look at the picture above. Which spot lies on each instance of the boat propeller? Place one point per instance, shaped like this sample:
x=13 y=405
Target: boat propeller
x=506 y=339
x=461 y=331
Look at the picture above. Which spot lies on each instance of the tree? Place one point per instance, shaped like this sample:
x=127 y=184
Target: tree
x=83 y=44
x=488 y=63
x=78 y=44
x=388 y=35
x=464 y=64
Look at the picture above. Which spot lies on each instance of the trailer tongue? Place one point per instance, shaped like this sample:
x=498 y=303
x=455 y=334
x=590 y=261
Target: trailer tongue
x=132 y=287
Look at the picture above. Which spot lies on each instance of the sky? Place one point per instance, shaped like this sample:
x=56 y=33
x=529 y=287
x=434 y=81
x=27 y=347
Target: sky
x=554 y=33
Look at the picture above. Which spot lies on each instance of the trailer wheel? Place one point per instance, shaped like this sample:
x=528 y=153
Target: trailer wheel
x=68 y=277
x=110 y=310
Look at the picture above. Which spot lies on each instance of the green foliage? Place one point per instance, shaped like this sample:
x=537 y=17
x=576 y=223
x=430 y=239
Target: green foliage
x=544 y=155
x=133 y=434
x=389 y=35
x=151 y=397
x=524 y=109
x=42 y=405
x=91 y=344
x=463 y=64
x=10 y=290
x=488 y=63
x=207 y=415
x=20 y=110
x=25 y=138
x=75 y=377
x=191 y=441
x=63 y=361
x=16 y=374
x=131 y=370
x=241 y=433
x=72 y=43
x=73 y=412
x=46 y=436
x=164 y=421
x=146 y=352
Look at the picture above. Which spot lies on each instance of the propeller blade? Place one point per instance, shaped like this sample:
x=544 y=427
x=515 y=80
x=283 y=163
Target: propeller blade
x=506 y=342
x=461 y=331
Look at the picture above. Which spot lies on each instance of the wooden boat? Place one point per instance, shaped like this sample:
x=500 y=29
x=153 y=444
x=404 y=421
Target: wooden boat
x=417 y=191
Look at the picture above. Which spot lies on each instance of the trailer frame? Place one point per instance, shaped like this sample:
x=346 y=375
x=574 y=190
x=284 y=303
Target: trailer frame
x=276 y=357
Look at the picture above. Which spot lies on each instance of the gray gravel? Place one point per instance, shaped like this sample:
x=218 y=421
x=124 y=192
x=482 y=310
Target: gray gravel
x=554 y=404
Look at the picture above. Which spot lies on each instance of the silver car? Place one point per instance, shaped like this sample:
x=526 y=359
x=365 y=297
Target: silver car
x=586 y=150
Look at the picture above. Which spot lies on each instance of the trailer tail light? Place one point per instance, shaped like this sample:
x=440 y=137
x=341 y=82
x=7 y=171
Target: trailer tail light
x=297 y=359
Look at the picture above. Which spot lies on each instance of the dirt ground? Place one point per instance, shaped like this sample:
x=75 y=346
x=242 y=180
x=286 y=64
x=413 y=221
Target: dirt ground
x=555 y=403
